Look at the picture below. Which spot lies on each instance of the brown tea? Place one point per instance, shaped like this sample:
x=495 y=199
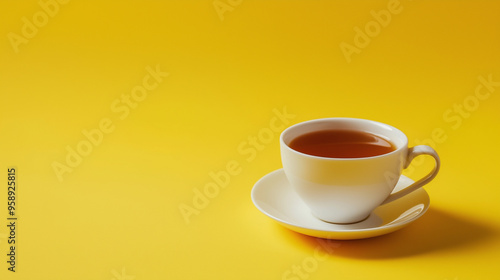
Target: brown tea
x=341 y=144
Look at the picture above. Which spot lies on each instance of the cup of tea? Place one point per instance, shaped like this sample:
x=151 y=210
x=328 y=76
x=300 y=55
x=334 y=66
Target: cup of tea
x=344 y=168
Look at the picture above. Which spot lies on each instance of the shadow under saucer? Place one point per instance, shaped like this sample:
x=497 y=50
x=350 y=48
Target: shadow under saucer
x=437 y=230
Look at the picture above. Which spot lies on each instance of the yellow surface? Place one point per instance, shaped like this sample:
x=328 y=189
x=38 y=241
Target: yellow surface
x=236 y=75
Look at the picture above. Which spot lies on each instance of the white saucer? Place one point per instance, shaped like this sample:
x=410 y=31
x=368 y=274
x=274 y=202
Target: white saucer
x=273 y=196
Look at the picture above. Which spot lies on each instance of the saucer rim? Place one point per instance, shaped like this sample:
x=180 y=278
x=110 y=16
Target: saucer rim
x=383 y=228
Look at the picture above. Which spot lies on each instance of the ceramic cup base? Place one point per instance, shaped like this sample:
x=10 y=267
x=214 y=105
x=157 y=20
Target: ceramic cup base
x=337 y=223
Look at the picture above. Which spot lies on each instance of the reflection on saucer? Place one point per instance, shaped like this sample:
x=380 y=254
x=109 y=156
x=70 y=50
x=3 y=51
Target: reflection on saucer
x=409 y=214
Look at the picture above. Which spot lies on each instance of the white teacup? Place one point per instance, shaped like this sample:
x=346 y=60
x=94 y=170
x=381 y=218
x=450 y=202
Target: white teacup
x=347 y=190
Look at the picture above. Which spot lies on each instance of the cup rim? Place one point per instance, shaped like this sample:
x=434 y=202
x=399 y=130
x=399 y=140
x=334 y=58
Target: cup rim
x=397 y=150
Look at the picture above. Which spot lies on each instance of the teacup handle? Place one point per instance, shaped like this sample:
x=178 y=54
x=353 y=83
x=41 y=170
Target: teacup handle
x=412 y=153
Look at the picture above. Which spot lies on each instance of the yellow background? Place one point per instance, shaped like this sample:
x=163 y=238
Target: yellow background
x=116 y=215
